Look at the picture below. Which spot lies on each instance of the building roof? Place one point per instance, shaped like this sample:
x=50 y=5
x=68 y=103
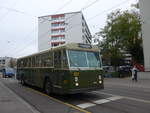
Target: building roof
x=59 y=14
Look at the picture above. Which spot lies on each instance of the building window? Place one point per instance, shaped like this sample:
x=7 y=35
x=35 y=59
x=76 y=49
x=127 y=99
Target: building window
x=53 y=45
x=54 y=18
x=62 y=38
x=57 y=43
x=82 y=30
x=83 y=24
x=3 y=61
x=58 y=30
x=62 y=30
x=58 y=37
x=55 y=38
x=55 y=24
x=58 y=24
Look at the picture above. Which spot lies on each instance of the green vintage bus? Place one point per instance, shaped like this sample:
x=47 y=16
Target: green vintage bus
x=70 y=68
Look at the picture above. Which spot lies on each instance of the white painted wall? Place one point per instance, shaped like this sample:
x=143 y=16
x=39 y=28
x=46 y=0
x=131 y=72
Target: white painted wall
x=73 y=27
x=73 y=30
x=44 y=31
x=145 y=12
x=7 y=61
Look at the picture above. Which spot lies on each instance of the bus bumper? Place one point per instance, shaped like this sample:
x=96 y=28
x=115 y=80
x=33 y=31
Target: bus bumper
x=82 y=90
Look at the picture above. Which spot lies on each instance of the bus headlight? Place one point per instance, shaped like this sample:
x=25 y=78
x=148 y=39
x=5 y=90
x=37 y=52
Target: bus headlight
x=100 y=82
x=77 y=84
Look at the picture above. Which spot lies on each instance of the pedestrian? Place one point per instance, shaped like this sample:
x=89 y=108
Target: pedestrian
x=134 y=74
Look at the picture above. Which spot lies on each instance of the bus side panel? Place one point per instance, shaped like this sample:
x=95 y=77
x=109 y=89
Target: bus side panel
x=60 y=80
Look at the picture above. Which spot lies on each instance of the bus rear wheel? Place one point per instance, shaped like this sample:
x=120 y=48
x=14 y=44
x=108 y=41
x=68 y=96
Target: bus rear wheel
x=48 y=87
x=23 y=80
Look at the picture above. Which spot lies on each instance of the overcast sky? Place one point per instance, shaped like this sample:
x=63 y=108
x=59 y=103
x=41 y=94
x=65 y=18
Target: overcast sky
x=18 y=20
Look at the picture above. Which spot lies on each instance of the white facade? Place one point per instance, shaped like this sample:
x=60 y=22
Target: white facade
x=145 y=13
x=58 y=29
x=5 y=62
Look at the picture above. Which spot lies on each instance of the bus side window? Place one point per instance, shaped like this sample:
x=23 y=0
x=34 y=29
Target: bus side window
x=33 y=61
x=57 y=59
x=64 y=59
x=38 y=61
x=29 y=62
x=49 y=60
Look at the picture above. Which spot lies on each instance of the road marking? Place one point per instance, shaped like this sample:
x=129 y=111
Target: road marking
x=110 y=99
x=130 y=98
x=85 y=105
x=59 y=101
x=81 y=107
x=101 y=101
x=136 y=99
x=115 y=98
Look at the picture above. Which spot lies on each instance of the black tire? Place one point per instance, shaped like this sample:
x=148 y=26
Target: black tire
x=48 y=87
x=23 y=80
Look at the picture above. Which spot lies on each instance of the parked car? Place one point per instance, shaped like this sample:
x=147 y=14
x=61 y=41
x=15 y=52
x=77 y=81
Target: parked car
x=124 y=71
x=109 y=71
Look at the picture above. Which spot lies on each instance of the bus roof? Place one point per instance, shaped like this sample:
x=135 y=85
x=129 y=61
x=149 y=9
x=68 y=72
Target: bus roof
x=73 y=46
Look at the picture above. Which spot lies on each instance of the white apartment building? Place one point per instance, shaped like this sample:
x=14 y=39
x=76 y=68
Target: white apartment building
x=145 y=13
x=7 y=62
x=54 y=30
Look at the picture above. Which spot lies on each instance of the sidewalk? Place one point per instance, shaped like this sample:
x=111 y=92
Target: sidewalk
x=11 y=103
x=127 y=82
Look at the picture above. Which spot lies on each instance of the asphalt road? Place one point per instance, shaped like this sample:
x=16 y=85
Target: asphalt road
x=119 y=96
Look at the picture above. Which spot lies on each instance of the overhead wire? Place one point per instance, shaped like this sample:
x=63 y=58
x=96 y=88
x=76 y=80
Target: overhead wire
x=63 y=6
x=4 y=15
x=68 y=2
x=96 y=15
x=85 y=7
x=18 y=11
x=89 y=18
x=108 y=9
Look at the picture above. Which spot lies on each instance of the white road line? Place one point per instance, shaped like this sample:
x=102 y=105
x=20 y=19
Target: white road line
x=139 y=100
x=101 y=101
x=86 y=105
x=115 y=98
x=130 y=98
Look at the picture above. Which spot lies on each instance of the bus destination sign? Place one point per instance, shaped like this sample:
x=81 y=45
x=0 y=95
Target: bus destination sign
x=88 y=46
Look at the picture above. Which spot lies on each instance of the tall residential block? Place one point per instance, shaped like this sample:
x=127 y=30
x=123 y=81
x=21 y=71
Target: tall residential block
x=145 y=13
x=54 y=30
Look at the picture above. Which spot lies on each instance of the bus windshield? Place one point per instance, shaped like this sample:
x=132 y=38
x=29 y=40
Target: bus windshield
x=84 y=59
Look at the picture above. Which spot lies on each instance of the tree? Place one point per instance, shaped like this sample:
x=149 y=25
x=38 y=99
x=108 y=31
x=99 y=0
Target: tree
x=121 y=33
